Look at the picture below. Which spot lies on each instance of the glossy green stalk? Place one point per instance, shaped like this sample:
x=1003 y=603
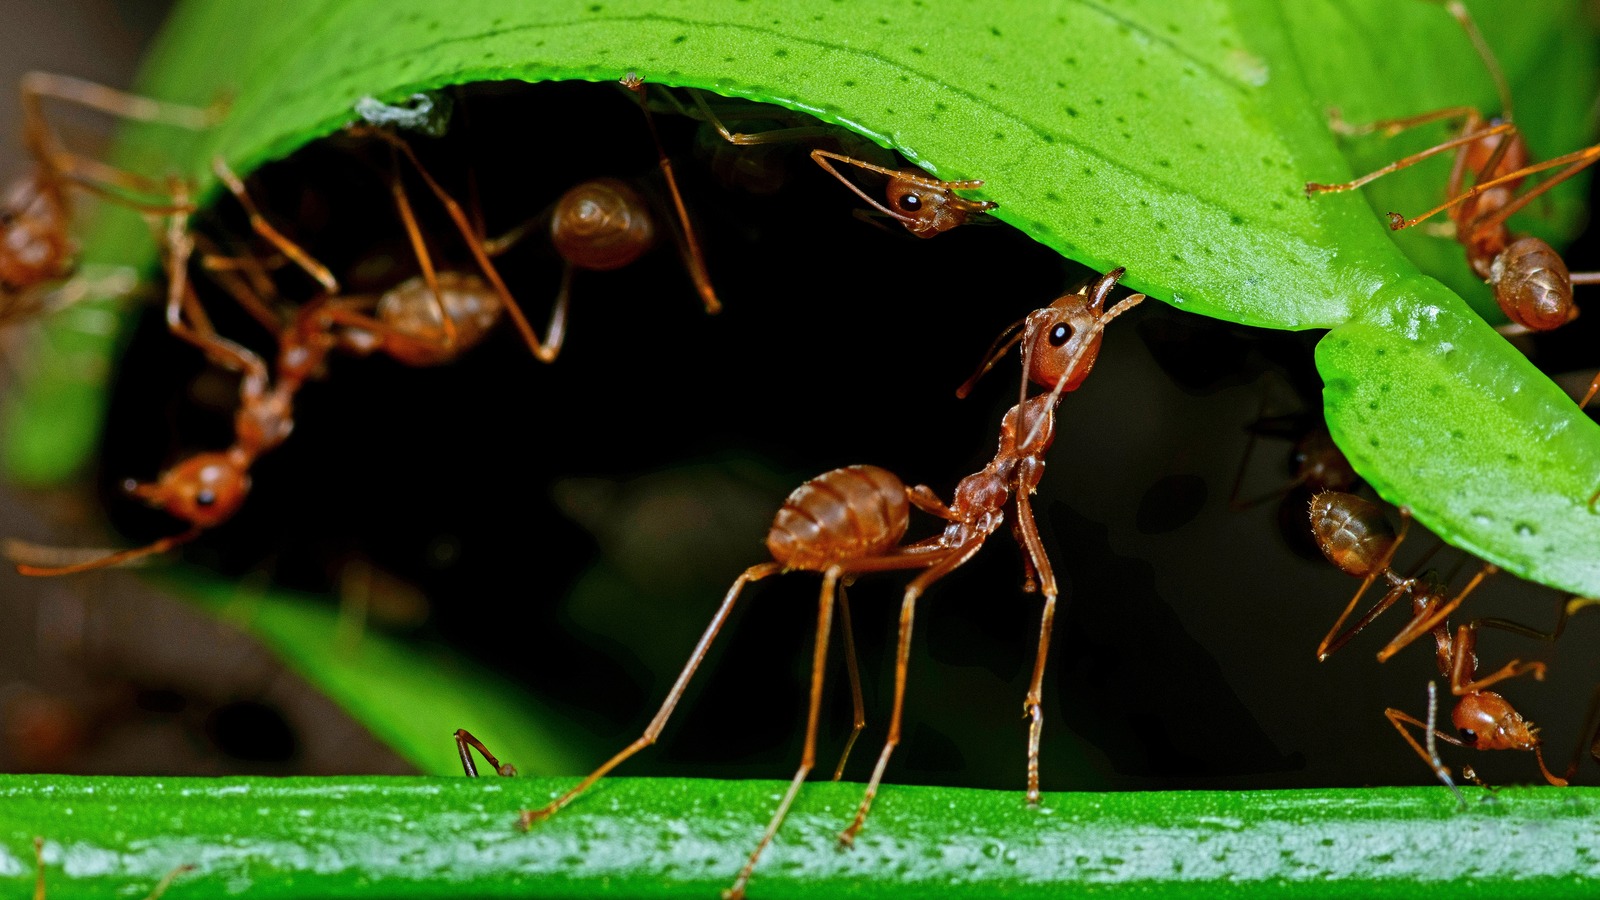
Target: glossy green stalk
x=455 y=837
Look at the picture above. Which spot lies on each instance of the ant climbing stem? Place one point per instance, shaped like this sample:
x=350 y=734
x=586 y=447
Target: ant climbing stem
x=850 y=521
x=1484 y=719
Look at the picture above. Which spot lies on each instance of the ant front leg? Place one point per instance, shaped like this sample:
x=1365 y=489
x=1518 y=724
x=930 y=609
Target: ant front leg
x=1399 y=719
x=688 y=242
x=466 y=743
x=1418 y=627
x=1032 y=706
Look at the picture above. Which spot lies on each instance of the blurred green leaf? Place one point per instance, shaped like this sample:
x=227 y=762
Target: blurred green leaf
x=413 y=697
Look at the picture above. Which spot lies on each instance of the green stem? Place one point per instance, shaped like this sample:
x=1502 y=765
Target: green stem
x=427 y=837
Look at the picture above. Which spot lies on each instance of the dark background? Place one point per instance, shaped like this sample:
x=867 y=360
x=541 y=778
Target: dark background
x=573 y=525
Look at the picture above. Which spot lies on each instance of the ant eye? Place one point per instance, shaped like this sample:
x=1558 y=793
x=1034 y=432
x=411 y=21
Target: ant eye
x=1060 y=334
x=205 y=497
x=1468 y=735
x=910 y=202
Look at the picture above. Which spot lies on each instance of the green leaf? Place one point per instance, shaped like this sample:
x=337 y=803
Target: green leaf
x=1173 y=140
x=413 y=697
x=418 y=837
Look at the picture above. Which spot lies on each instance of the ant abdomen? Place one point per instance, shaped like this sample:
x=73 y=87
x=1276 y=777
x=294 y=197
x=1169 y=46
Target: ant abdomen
x=1532 y=285
x=1352 y=533
x=34 y=246
x=840 y=515
x=412 y=309
x=601 y=224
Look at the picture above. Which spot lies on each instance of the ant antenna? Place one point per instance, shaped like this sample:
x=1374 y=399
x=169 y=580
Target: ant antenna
x=1433 y=745
x=997 y=351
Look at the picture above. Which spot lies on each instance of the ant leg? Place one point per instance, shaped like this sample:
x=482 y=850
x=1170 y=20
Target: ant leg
x=778 y=135
x=271 y=235
x=540 y=350
x=689 y=244
x=858 y=702
x=1418 y=627
x=419 y=249
x=244 y=279
x=1400 y=719
x=922 y=497
x=1031 y=706
x=91 y=174
x=1591 y=727
x=1467 y=137
x=181 y=300
x=953 y=558
x=653 y=730
x=1463 y=668
x=808 y=756
x=465 y=743
x=1333 y=640
x=114 y=559
x=1392 y=127
x=1574 y=162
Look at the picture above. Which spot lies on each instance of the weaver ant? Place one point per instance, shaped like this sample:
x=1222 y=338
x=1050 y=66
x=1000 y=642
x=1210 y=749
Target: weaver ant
x=1531 y=283
x=925 y=205
x=420 y=322
x=1354 y=535
x=1484 y=719
x=36 y=212
x=850 y=521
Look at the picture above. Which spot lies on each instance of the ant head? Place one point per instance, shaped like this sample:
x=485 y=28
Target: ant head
x=929 y=207
x=1532 y=285
x=1485 y=721
x=1059 y=341
x=601 y=225
x=1352 y=533
x=34 y=246
x=204 y=490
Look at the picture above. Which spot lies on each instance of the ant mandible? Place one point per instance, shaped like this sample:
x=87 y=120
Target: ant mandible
x=36 y=212
x=1531 y=283
x=850 y=521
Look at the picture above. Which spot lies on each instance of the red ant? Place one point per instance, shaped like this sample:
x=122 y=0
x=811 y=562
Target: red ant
x=850 y=521
x=1355 y=536
x=35 y=213
x=1484 y=720
x=1530 y=280
x=925 y=205
x=208 y=488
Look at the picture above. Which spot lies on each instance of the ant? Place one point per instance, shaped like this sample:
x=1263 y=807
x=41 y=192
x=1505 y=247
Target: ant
x=1354 y=535
x=208 y=488
x=850 y=521
x=1531 y=283
x=925 y=205
x=1484 y=719
x=35 y=213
